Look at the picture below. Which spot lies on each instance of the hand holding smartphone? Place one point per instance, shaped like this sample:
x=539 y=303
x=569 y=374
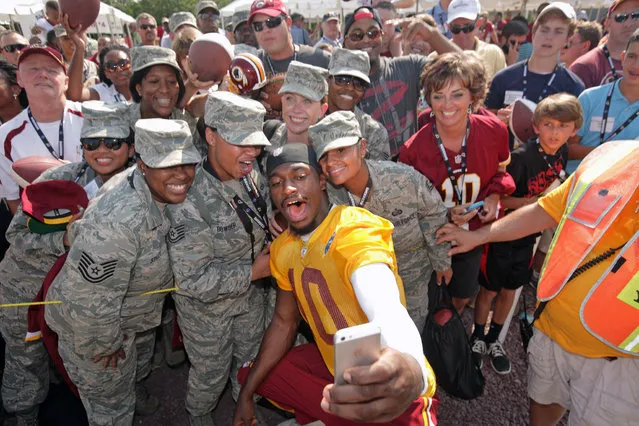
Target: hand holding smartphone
x=355 y=346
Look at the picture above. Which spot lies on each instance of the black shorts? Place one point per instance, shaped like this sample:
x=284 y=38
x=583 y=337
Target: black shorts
x=508 y=265
x=464 y=283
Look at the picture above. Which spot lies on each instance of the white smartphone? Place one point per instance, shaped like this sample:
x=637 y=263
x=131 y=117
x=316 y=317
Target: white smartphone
x=356 y=346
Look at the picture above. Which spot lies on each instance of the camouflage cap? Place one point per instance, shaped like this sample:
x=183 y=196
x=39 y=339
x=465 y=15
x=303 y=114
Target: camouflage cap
x=237 y=119
x=305 y=80
x=337 y=130
x=164 y=143
x=201 y=5
x=102 y=120
x=146 y=56
x=239 y=17
x=181 y=18
x=350 y=62
x=59 y=31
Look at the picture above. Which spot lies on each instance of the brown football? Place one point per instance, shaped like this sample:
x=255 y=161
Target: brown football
x=521 y=124
x=83 y=12
x=25 y=170
x=210 y=56
x=271 y=89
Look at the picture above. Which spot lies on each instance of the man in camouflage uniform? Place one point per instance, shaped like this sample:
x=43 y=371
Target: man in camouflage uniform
x=26 y=263
x=397 y=193
x=216 y=246
x=118 y=254
x=354 y=65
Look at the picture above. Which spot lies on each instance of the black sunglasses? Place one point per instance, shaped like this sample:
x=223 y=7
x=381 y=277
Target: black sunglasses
x=455 y=29
x=516 y=42
x=91 y=144
x=357 y=35
x=147 y=26
x=10 y=48
x=122 y=65
x=271 y=23
x=209 y=16
x=348 y=80
x=623 y=17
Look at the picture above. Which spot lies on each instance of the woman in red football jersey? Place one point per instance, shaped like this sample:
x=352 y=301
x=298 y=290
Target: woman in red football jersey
x=463 y=154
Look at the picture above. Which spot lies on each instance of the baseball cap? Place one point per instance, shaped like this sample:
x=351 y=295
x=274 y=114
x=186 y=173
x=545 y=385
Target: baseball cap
x=164 y=143
x=567 y=10
x=330 y=16
x=147 y=56
x=305 y=80
x=613 y=6
x=237 y=119
x=201 y=5
x=181 y=18
x=51 y=204
x=42 y=50
x=105 y=120
x=267 y=7
x=350 y=62
x=467 y=9
x=337 y=130
x=362 y=12
x=239 y=17
x=291 y=153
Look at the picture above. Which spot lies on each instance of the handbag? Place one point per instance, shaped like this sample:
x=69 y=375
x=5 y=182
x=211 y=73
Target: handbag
x=447 y=349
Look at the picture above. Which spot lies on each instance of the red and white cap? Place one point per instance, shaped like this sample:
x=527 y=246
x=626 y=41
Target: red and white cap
x=267 y=7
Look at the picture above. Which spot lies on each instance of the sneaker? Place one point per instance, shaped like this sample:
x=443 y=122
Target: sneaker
x=478 y=348
x=498 y=358
x=205 y=420
x=145 y=403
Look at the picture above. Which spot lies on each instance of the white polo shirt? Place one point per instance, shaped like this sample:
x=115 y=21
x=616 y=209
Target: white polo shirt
x=19 y=139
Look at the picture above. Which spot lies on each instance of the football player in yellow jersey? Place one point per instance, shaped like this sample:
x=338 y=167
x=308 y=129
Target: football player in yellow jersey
x=335 y=267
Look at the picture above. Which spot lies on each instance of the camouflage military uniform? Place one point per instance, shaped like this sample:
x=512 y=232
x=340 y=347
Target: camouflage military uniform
x=405 y=197
x=181 y=18
x=118 y=251
x=220 y=312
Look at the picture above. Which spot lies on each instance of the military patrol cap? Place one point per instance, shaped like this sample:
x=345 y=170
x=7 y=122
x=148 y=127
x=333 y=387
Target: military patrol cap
x=350 y=62
x=291 y=153
x=337 y=130
x=51 y=204
x=147 y=56
x=201 y=5
x=59 y=31
x=181 y=18
x=237 y=119
x=305 y=80
x=239 y=17
x=165 y=143
x=105 y=120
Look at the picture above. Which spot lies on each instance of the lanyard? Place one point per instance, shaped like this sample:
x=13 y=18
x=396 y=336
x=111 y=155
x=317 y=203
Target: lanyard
x=562 y=174
x=270 y=64
x=365 y=195
x=604 y=119
x=458 y=159
x=606 y=52
x=545 y=90
x=261 y=217
x=44 y=139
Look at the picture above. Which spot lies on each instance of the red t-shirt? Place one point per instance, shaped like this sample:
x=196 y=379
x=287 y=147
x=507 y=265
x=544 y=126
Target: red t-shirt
x=486 y=150
x=594 y=69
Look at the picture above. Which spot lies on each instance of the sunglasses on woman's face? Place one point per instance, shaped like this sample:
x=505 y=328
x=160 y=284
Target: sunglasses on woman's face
x=271 y=23
x=623 y=17
x=357 y=35
x=10 y=48
x=91 y=144
x=456 y=29
x=121 y=65
x=348 y=80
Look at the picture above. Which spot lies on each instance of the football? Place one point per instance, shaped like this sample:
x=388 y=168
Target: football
x=272 y=88
x=27 y=169
x=210 y=56
x=83 y=12
x=442 y=316
x=521 y=119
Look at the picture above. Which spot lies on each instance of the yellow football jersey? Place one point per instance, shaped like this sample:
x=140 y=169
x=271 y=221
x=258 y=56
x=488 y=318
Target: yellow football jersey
x=319 y=271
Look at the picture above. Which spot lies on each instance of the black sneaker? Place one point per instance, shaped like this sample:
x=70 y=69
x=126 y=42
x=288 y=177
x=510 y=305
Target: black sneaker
x=498 y=358
x=478 y=347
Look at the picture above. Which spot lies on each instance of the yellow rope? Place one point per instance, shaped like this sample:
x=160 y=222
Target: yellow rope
x=58 y=302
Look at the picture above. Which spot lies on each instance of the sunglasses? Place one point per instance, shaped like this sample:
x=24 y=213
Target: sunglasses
x=147 y=26
x=357 y=35
x=515 y=42
x=349 y=80
x=122 y=65
x=10 y=48
x=209 y=16
x=271 y=23
x=623 y=17
x=91 y=144
x=455 y=29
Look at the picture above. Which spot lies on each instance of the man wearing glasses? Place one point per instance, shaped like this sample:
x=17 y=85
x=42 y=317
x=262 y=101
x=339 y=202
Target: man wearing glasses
x=11 y=43
x=462 y=22
x=208 y=16
x=603 y=64
x=147 y=28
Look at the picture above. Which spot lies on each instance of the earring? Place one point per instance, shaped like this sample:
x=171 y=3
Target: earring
x=15 y=96
x=432 y=114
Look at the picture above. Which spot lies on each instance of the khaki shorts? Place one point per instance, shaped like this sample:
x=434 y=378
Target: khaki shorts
x=595 y=390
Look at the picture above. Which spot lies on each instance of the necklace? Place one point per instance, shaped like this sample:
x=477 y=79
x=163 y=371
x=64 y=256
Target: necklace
x=270 y=64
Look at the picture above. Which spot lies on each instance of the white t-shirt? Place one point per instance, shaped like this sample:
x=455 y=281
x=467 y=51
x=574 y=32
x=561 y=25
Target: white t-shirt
x=44 y=24
x=19 y=139
x=108 y=93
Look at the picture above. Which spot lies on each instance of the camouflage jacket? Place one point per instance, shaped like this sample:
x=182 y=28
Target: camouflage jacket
x=211 y=252
x=118 y=251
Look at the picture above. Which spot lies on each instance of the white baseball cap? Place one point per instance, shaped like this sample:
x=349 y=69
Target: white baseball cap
x=567 y=10
x=468 y=9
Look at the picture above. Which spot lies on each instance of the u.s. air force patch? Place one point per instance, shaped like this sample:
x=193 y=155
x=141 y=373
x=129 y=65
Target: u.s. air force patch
x=95 y=272
x=176 y=234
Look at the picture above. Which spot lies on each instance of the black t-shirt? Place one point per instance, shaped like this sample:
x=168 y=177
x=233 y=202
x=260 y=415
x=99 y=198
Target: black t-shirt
x=305 y=54
x=533 y=170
